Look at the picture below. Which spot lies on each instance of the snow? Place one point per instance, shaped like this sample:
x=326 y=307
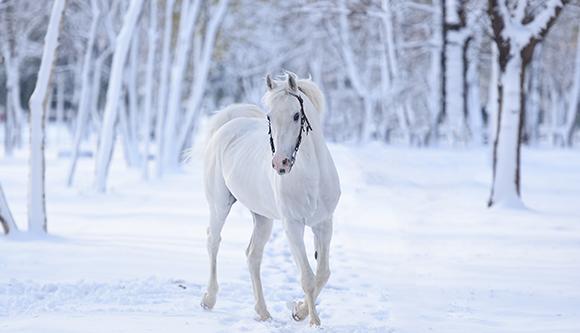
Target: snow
x=415 y=249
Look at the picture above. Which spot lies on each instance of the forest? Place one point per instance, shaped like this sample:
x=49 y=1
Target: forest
x=106 y=100
x=142 y=75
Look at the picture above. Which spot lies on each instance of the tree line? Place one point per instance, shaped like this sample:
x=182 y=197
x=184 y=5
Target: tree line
x=140 y=75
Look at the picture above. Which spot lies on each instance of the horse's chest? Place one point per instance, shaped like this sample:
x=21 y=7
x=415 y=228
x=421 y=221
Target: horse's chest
x=298 y=201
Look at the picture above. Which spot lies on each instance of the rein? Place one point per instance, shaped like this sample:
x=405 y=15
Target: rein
x=304 y=127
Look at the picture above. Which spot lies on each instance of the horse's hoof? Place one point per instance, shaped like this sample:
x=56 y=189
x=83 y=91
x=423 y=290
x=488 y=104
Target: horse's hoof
x=207 y=302
x=264 y=317
x=263 y=313
x=314 y=322
x=297 y=314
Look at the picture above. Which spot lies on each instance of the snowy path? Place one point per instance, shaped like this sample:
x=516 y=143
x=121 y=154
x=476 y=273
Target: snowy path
x=415 y=250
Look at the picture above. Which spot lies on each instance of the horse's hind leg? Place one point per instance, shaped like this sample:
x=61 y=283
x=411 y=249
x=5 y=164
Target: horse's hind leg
x=255 y=251
x=220 y=205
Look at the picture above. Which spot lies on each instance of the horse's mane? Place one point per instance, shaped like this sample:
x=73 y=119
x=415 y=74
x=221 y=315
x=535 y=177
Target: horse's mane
x=306 y=86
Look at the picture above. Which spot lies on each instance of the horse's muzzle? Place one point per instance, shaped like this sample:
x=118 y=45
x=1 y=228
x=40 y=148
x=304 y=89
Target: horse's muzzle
x=281 y=164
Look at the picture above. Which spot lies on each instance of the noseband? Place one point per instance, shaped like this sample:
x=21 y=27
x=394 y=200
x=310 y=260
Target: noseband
x=304 y=127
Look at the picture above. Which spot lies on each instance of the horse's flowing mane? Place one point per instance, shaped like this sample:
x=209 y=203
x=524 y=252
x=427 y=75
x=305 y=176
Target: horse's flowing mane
x=306 y=86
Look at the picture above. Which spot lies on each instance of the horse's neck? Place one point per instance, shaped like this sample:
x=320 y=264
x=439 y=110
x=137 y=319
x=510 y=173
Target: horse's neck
x=298 y=192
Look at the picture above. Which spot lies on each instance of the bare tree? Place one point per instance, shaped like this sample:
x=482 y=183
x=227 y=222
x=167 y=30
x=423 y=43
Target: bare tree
x=6 y=220
x=105 y=150
x=516 y=33
x=36 y=191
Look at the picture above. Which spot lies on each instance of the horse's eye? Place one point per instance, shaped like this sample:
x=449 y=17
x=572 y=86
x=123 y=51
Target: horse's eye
x=296 y=116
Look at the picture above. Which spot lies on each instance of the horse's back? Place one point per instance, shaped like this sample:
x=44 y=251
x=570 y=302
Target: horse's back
x=232 y=112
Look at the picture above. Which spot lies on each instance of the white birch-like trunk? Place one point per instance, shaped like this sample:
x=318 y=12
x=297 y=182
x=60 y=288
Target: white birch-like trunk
x=493 y=97
x=199 y=83
x=59 y=116
x=473 y=100
x=6 y=220
x=133 y=97
x=123 y=127
x=435 y=73
x=505 y=190
x=105 y=149
x=178 y=70
x=36 y=191
x=533 y=100
x=14 y=110
x=164 y=76
x=149 y=86
x=454 y=86
x=574 y=100
x=84 y=103
x=351 y=68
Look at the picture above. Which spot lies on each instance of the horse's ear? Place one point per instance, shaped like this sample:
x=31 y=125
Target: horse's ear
x=269 y=82
x=292 y=81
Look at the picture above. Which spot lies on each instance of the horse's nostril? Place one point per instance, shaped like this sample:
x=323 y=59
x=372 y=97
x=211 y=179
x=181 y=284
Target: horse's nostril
x=282 y=171
x=273 y=166
x=285 y=161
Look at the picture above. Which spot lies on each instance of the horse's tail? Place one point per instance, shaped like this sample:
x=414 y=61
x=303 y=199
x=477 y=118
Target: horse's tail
x=231 y=112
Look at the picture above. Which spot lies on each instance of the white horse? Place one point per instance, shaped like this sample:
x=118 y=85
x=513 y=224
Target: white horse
x=279 y=167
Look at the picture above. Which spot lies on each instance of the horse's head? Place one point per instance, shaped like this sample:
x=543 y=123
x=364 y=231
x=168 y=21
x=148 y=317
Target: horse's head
x=287 y=121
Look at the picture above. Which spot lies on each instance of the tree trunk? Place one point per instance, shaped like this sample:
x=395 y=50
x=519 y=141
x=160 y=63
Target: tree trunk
x=178 y=71
x=435 y=74
x=149 y=86
x=472 y=84
x=453 y=92
x=84 y=103
x=574 y=98
x=507 y=144
x=6 y=220
x=162 y=97
x=36 y=192
x=198 y=86
x=105 y=149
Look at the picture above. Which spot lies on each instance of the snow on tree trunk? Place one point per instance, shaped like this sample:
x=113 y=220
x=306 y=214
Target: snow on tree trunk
x=107 y=136
x=6 y=220
x=36 y=191
x=455 y=35
x=150 y=71
x=533 y=102
x=178 y=71
x=505 y=188
x=473 y=100
x=59 y=117
x=162 y=97
x=435 y=91
x=492 y=96
x=133 y=97
x=515 y=41
x=573 y=103
x=84 y=103
x=352 y=69
x=199 y=82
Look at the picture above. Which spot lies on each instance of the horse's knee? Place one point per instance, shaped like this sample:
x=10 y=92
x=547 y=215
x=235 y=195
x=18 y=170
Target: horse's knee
x=254 y=258
x=213 y=242
x=323 y=277
x=308 y=283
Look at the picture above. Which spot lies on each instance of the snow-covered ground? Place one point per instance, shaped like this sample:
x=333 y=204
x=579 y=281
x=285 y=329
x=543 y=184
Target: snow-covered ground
x=415 y=249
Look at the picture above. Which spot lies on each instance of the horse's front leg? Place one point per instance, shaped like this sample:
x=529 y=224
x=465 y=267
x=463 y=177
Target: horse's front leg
x=322 y=236
x=295 y=234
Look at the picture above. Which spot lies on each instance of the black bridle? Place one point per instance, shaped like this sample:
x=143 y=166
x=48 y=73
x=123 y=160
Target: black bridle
x=304 y=127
